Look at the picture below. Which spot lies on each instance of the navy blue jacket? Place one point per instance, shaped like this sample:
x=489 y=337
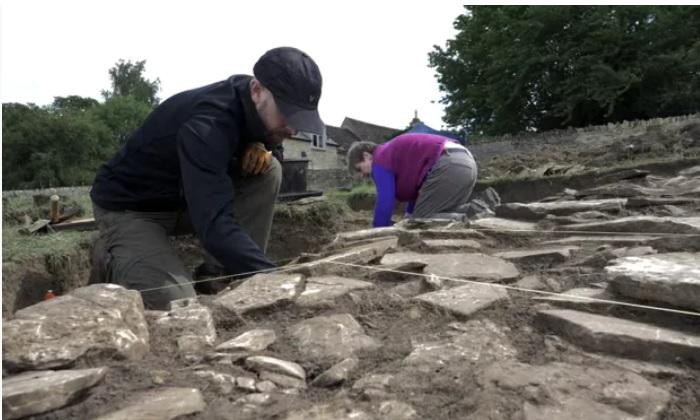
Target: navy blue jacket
x=185 y=155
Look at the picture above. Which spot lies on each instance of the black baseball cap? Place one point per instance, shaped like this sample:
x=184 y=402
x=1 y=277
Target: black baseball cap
x=295 y=81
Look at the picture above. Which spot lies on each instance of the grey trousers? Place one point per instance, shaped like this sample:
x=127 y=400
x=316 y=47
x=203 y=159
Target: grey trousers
x=133 y=249
x=448 y=185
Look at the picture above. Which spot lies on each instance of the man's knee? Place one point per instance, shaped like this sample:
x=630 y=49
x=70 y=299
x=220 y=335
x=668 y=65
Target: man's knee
x=160 y=280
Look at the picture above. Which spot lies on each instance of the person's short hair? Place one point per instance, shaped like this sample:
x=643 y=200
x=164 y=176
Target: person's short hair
x=356 y=153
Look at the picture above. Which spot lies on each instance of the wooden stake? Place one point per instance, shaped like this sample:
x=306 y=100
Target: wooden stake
x=54 y=214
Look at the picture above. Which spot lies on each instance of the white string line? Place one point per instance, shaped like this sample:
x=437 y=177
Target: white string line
x=522 y=289
x=229 y=276
x=326 y=259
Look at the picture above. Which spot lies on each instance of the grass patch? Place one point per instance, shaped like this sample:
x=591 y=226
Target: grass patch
x=19 y=248
x=14 y=208
x=360 y=197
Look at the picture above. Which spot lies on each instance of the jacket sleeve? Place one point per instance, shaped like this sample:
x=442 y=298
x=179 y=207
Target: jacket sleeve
x=204 y=149
x=385 y=182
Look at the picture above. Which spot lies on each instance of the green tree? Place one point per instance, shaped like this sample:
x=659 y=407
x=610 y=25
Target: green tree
x=122 y=115
x=128 y=80
x=44 y=148
x=516 y=68
x=73 y=103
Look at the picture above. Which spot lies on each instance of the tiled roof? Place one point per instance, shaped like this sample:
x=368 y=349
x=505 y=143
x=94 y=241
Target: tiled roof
x=370 y=132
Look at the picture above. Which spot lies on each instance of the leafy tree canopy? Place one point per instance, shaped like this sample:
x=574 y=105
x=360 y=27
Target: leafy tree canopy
x=518 y=68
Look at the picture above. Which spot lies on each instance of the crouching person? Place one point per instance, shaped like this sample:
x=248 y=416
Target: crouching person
x=206 y=160
x=432 y=173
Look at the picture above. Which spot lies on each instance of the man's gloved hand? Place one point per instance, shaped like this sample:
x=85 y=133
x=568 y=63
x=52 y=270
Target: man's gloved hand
x=256 y=159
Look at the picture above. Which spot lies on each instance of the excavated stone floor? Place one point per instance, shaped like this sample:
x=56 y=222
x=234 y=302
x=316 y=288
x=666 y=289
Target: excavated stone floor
x=584 y=305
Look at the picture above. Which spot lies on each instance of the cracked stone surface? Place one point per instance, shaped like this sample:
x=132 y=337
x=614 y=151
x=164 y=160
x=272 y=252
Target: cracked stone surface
x=331 y=337
x=471 y=265
x=161 y=403
x=641 y=224
x=585 y=297
x=506 y=225
x=322 y=291
x=190 y=324
x=261 y=291
x=535 y=211
x=622 y=337
x=336 y=374
x=539 y=256
x=40 y=391
x=461 y=348
x=564 y=391
x=250 y=341
x=672 y=278
x=339 y=410
x=274 y=365
x=104 y=320
x=464 y=300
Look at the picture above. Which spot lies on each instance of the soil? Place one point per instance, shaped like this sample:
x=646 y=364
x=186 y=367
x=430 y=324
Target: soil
x=450 y=393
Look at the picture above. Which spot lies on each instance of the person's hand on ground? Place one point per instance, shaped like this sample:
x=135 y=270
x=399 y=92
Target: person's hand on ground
x=256 y=159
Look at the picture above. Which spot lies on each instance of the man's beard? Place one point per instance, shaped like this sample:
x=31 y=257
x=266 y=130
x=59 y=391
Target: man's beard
x=277 y=135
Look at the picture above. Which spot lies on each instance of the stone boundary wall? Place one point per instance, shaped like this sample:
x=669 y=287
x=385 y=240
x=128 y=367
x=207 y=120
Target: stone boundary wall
x=488 y=147
x=483 y=150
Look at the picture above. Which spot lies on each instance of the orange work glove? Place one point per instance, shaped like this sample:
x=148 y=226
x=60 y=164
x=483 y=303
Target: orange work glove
x=256 y=159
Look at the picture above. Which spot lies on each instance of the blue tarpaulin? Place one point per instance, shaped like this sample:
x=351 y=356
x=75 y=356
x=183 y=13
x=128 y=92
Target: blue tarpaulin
x=422 y=128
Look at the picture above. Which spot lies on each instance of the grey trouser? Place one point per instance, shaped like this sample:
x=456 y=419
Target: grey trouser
x=448 y=185
x=133 y=249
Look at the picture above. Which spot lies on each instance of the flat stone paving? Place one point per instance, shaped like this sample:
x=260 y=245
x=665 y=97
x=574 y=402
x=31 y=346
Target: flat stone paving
x=467 y=265
x=622 y=337
x=464 y=300
x=672 y=278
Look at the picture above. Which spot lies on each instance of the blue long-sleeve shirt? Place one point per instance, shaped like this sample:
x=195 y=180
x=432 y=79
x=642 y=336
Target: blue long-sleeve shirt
x=385 y=183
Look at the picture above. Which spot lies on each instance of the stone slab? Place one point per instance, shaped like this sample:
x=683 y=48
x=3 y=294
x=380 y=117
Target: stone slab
x=337 y=410
x=37 y=392
x=261 y=291
x=538 y=255
x=672 y=278
x=468 y=265
x=187 y=318
x=251 y=341
x=492 y=344
x=360 y=255
x=536 y=211
x=332 y=337
x=274 y=365
x=323 y=290
x=361 y=235
x=580 y=298
x=563 y=391
x=102 y=320
x=337 y=374
x=622 y=337
x=641 y=225
x=582 y=239
x=451 y=244
x=465 y=300
x=161 y=404
x=504 y=225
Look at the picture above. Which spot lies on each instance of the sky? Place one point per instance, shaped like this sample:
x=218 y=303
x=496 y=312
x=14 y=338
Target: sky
x=373 y=55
